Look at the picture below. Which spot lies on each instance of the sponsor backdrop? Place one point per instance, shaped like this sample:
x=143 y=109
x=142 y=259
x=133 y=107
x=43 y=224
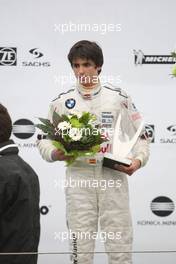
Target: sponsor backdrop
x=137 y=38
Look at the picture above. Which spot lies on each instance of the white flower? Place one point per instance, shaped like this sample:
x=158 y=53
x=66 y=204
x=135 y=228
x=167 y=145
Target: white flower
x=75 y=134
x=93 y=122
x=74 y=112
x=64 y=125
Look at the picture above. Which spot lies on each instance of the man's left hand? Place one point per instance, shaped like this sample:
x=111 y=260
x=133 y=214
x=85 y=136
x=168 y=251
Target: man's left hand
x=135 y=165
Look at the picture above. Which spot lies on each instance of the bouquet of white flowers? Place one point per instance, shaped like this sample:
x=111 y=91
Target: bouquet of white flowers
x=76 y=134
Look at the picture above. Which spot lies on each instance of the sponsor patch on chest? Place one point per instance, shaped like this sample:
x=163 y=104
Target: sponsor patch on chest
x=107 y=119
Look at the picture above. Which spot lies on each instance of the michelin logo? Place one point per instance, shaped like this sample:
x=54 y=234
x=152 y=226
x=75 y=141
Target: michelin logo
x=140 y=58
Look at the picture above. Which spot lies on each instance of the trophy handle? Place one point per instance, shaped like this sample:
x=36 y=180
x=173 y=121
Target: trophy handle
x=122 y=149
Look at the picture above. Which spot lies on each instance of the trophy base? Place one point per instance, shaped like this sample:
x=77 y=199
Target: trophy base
x=110 y=160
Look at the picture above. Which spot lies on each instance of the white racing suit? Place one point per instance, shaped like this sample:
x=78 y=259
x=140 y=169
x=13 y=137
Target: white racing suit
x=100 y=195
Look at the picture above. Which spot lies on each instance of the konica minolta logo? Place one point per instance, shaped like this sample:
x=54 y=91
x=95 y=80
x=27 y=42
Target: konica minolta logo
x=8 y=56
x=162 y=206
x=140 y=58
x=23 y=128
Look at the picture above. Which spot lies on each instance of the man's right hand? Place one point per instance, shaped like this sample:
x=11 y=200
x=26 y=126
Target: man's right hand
x=58 y=154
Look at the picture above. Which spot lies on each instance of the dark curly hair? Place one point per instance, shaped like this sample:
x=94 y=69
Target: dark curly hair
x=5 y=124
x=86 y=49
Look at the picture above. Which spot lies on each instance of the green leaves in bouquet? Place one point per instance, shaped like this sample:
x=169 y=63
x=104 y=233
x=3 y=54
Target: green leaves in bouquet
x=75 y=122
x=174 y=67
x=93 y=138
x=42 y=127
x=45 y=121
x=174 y=71
x=46 y=127
x=74 y=154
x=85 y=118
x=89 y=143
x=173 y=54
x=88 y=140
x=56 y=118
x=59 y=146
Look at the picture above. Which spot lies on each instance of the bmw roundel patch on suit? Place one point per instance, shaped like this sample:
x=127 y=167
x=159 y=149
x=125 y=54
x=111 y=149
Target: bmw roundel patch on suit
x=70 y=103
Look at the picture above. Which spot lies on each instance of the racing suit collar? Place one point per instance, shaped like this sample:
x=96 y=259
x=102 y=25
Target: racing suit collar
x=88 y=93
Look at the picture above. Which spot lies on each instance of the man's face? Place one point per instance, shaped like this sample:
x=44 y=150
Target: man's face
x=85 y=71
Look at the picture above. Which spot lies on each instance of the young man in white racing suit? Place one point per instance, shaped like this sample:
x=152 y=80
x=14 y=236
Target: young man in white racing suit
x=88 y=204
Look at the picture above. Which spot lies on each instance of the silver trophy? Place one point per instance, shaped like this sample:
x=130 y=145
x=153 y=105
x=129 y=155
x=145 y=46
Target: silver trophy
x=121 y=150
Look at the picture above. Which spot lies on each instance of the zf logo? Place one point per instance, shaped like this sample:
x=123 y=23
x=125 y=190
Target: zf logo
x=8 y=56
x=151 y=132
